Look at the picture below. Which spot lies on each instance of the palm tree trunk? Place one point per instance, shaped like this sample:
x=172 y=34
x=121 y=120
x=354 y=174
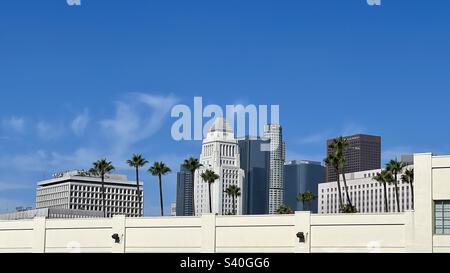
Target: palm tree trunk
x=210 y=206
x=396 y=193
x=386 y=209
x=103 y=196
x=161 y=195
x=412 y=194
x=193 y=192
x=138 y=192
x=346 y=189
x=339 y=191
x=234 y=204
x=303 y=204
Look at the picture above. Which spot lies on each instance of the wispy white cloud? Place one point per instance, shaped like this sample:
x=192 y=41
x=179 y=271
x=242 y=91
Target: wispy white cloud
x=137 y=117
x=43 y=161
x=48 y=131
x=80 y=123
x=15 y=124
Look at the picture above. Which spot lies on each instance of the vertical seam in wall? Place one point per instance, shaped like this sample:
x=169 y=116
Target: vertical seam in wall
x=45 y=235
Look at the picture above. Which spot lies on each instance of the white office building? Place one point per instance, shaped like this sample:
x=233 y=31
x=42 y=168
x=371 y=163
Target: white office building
x=366 y=194
x=274 y=133
x=79 y=190
x=220 y=153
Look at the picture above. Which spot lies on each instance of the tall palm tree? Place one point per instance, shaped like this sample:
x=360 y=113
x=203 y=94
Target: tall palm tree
x=306 y=197
x=384 y=177
x=339 y=145
x=192 y=164
x=284 y=209
x=209 y=177
x=233 y=191
x=333 y=162
x=159 y=169
x=396 y=167
x=101 y=168
x=138 y=161
x=408 y=177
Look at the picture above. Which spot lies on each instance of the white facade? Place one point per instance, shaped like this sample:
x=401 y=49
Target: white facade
x=274 y=133
x=220 y=153
x=366 y=194
x=78 y=190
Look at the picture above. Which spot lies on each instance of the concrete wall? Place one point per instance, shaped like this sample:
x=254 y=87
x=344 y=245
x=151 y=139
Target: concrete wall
x=209 y=233
x=432 y=182
x=403 y=232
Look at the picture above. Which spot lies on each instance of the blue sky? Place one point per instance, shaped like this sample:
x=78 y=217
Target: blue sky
x=99 y=80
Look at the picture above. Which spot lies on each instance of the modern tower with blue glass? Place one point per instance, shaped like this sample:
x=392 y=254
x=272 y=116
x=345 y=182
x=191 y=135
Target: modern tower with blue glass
x=185 y=186
x=255 y=161
x=301 y=176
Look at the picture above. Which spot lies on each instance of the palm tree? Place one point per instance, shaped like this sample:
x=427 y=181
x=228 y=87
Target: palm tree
x=396 y=167
x=233 y=191
x=101 y=168
x=339 y=145
x=192 y=164
x=384 y=177
x=209 y=177
x=408 y=177
x=306 y=197
x=159 y=169
x=137 y=161
x=333 y=162
x=284 y=209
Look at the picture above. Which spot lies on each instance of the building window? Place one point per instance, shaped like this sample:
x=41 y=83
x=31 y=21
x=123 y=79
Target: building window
x=442 y=217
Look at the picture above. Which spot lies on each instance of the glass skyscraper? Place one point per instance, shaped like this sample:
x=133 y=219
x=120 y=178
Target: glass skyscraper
x=255 y=161
x=301 y=176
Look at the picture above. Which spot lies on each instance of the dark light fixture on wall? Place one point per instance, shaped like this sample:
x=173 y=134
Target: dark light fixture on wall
x=116 y=238
x=301 y=237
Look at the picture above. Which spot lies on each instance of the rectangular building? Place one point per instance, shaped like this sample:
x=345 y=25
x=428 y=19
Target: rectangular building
x=274 y=133
x=255 y=161
x=366 y=194
x=220 y=154
x=80 y=190
x=302 y=176
x=185 y=197
x=362 y=154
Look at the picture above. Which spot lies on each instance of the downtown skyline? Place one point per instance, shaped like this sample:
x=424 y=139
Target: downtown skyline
x=81 y=83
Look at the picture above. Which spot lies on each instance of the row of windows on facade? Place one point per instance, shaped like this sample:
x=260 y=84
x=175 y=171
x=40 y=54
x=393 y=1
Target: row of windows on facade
x=228 y=162
x=402 y=191
x=377 y=199
x=357 y=198
x=108 y=209
x=51 y=203
x=108 y=189
x=81 y=188
x=372 y=205
x=370 y=208
x=373 y=185
x=51 y=190
x=93 y=196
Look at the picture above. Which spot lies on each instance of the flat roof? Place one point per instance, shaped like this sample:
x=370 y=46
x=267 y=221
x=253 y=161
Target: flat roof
x=112 y=179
